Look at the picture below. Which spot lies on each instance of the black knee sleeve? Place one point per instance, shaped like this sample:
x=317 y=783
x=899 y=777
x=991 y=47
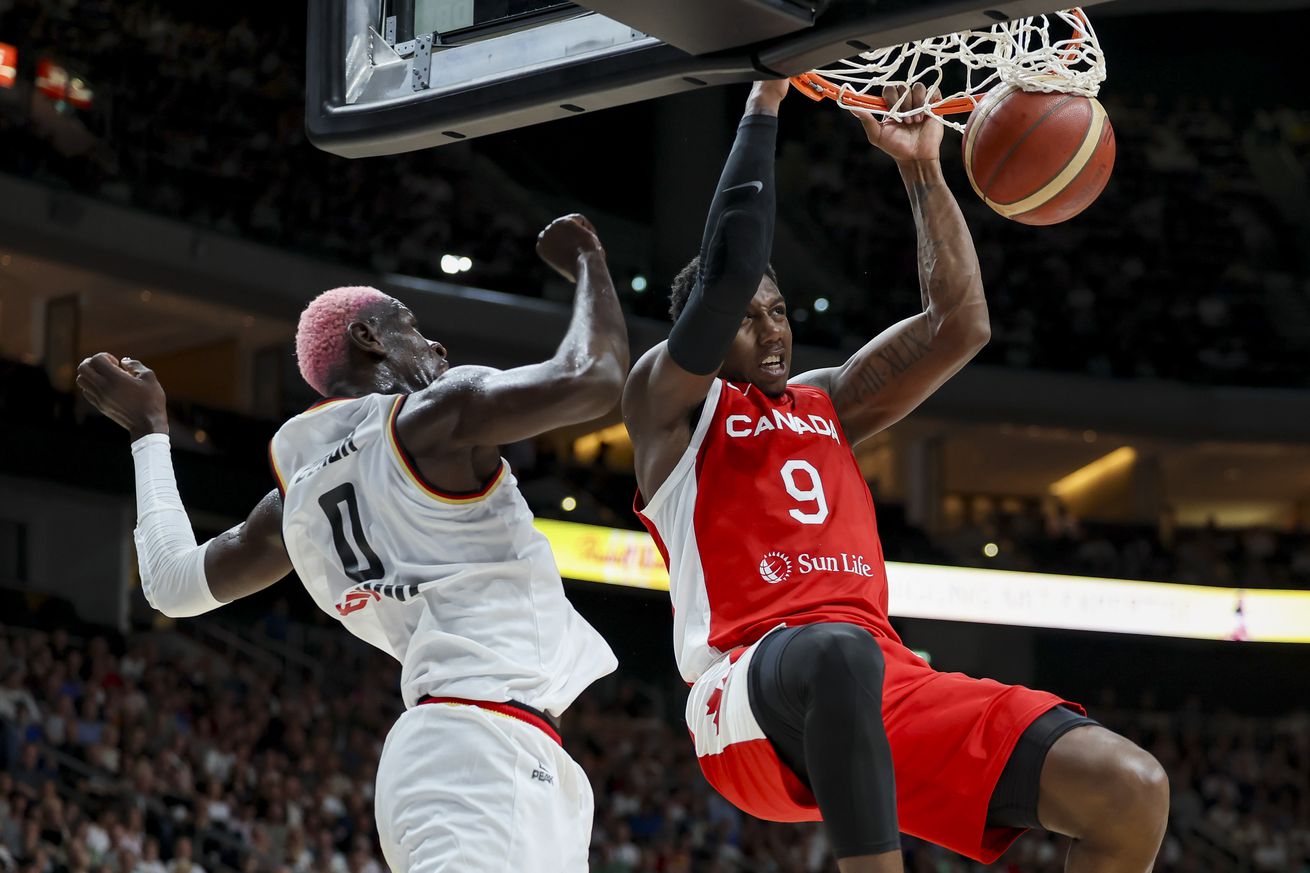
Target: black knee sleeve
x=816 y=691
x=1014 y=800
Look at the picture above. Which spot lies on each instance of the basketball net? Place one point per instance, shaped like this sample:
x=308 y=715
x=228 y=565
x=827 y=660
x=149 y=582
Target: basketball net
x=1052 y=53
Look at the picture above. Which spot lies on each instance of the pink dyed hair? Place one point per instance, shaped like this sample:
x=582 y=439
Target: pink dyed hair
x=322 y=340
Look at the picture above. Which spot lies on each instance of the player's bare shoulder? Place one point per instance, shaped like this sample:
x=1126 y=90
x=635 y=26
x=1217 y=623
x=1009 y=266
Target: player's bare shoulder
x=636 y=402
x=823 y=379
x=456 y=380
x=434 y=412
x=658 y=419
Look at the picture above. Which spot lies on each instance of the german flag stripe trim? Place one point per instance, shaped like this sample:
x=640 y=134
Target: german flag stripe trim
x=323 y=404
x=504 y=710
x=411 y=468
x=277 y=471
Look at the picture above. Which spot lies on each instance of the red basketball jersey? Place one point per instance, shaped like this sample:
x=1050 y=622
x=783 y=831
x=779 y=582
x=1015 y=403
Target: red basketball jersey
x=765 y=520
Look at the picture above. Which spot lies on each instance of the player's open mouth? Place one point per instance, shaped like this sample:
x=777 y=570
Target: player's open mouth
x=773 y=365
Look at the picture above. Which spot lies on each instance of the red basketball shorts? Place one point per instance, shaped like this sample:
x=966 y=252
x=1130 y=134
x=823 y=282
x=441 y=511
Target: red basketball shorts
x=950 y=734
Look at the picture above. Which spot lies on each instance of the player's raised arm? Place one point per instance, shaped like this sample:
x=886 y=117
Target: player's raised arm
x=478 y=406
x=884 y=381
x=178 y=577
x=672 y=378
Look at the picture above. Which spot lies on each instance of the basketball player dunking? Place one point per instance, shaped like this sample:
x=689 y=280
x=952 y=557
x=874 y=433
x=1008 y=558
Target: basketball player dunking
x=398 y=514
x=805 y=705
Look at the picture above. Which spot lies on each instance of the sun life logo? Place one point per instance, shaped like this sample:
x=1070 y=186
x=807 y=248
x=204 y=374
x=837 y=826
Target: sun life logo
x=775 y=567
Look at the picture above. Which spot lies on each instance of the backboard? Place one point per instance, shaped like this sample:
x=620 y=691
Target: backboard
x=389 y=76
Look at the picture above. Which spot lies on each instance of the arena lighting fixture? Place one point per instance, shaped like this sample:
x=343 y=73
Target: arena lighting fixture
x=639 y=284
x=821 y=304
x=991 y=550
x=591 y=553
x=1085 y=477
x=587 y=446
x=568 y=504
x=452 y=264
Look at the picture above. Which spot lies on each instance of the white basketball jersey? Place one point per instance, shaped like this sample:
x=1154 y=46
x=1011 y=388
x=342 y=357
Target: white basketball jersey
x=462 y=589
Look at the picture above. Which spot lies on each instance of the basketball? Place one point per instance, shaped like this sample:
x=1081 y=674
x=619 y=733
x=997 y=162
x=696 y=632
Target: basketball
x=1038 y=158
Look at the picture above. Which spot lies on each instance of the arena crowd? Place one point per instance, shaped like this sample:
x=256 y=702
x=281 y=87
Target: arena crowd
x=156 y=753
x=1185 y=268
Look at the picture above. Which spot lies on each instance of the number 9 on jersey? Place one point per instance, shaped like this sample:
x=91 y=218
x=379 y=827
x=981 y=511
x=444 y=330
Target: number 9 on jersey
x=812 y=496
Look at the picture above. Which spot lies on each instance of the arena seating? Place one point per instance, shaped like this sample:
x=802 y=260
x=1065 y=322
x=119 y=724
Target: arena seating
x=163 y=752
x=1037 y=538
x=1185 y=269
x=1184 y=199
x=192 y=748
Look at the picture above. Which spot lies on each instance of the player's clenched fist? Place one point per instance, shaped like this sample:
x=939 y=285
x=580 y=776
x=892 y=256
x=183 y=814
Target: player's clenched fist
x=565 y=240
x=126 y=391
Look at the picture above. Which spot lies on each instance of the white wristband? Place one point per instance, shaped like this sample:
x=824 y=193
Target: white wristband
x=172 y=565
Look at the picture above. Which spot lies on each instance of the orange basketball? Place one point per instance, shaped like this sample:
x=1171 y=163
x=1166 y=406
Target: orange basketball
x=1038 y=158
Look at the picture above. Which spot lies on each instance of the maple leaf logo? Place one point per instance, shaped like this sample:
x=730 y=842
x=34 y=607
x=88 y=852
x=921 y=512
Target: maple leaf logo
x=712 y=705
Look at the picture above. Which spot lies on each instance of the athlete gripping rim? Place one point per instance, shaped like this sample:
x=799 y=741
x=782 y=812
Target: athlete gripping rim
x=402 y=520
x=804 y=704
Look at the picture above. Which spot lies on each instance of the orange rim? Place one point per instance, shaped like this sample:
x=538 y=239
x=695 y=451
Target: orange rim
x=816 y=87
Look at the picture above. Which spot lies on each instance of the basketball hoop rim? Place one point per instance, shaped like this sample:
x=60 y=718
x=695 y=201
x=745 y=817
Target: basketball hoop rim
x=819 y=88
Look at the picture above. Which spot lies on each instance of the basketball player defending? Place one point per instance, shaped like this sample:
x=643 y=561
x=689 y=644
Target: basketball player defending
x=398 y=514
x=805 y=705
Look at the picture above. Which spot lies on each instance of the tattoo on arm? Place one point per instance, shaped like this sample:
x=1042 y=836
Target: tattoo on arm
x=872 y=374
x=889 y=377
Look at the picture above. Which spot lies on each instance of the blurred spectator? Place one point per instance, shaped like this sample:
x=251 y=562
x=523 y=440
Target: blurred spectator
x=235 y=779
x=1185 y=234
x=200 y=118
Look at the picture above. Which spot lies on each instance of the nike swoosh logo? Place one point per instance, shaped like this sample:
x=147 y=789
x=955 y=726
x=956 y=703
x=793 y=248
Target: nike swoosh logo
x=757 y=185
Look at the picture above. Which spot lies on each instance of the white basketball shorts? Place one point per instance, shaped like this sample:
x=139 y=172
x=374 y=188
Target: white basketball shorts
x=463 y=789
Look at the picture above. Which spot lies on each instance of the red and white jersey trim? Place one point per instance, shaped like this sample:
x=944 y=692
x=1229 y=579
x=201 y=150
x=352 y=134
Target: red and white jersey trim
x=718 y=709
x=669 y=512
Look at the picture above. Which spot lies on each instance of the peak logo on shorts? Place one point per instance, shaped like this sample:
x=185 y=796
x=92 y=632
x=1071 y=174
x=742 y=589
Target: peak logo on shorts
x=742 y=426
x=776 y=567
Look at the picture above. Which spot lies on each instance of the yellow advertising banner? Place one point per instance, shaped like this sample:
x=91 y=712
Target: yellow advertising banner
x=604 y=554
x=630 y=558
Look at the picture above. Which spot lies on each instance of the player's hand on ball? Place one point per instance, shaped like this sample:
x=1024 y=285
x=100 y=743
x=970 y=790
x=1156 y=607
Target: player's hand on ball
x=915 y=139
x=564 y=241
x=126 y=391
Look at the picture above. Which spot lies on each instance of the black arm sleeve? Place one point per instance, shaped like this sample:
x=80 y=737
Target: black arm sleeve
x=734 y=251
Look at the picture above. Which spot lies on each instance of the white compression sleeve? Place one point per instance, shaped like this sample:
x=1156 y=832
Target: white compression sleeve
x=172 y=565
